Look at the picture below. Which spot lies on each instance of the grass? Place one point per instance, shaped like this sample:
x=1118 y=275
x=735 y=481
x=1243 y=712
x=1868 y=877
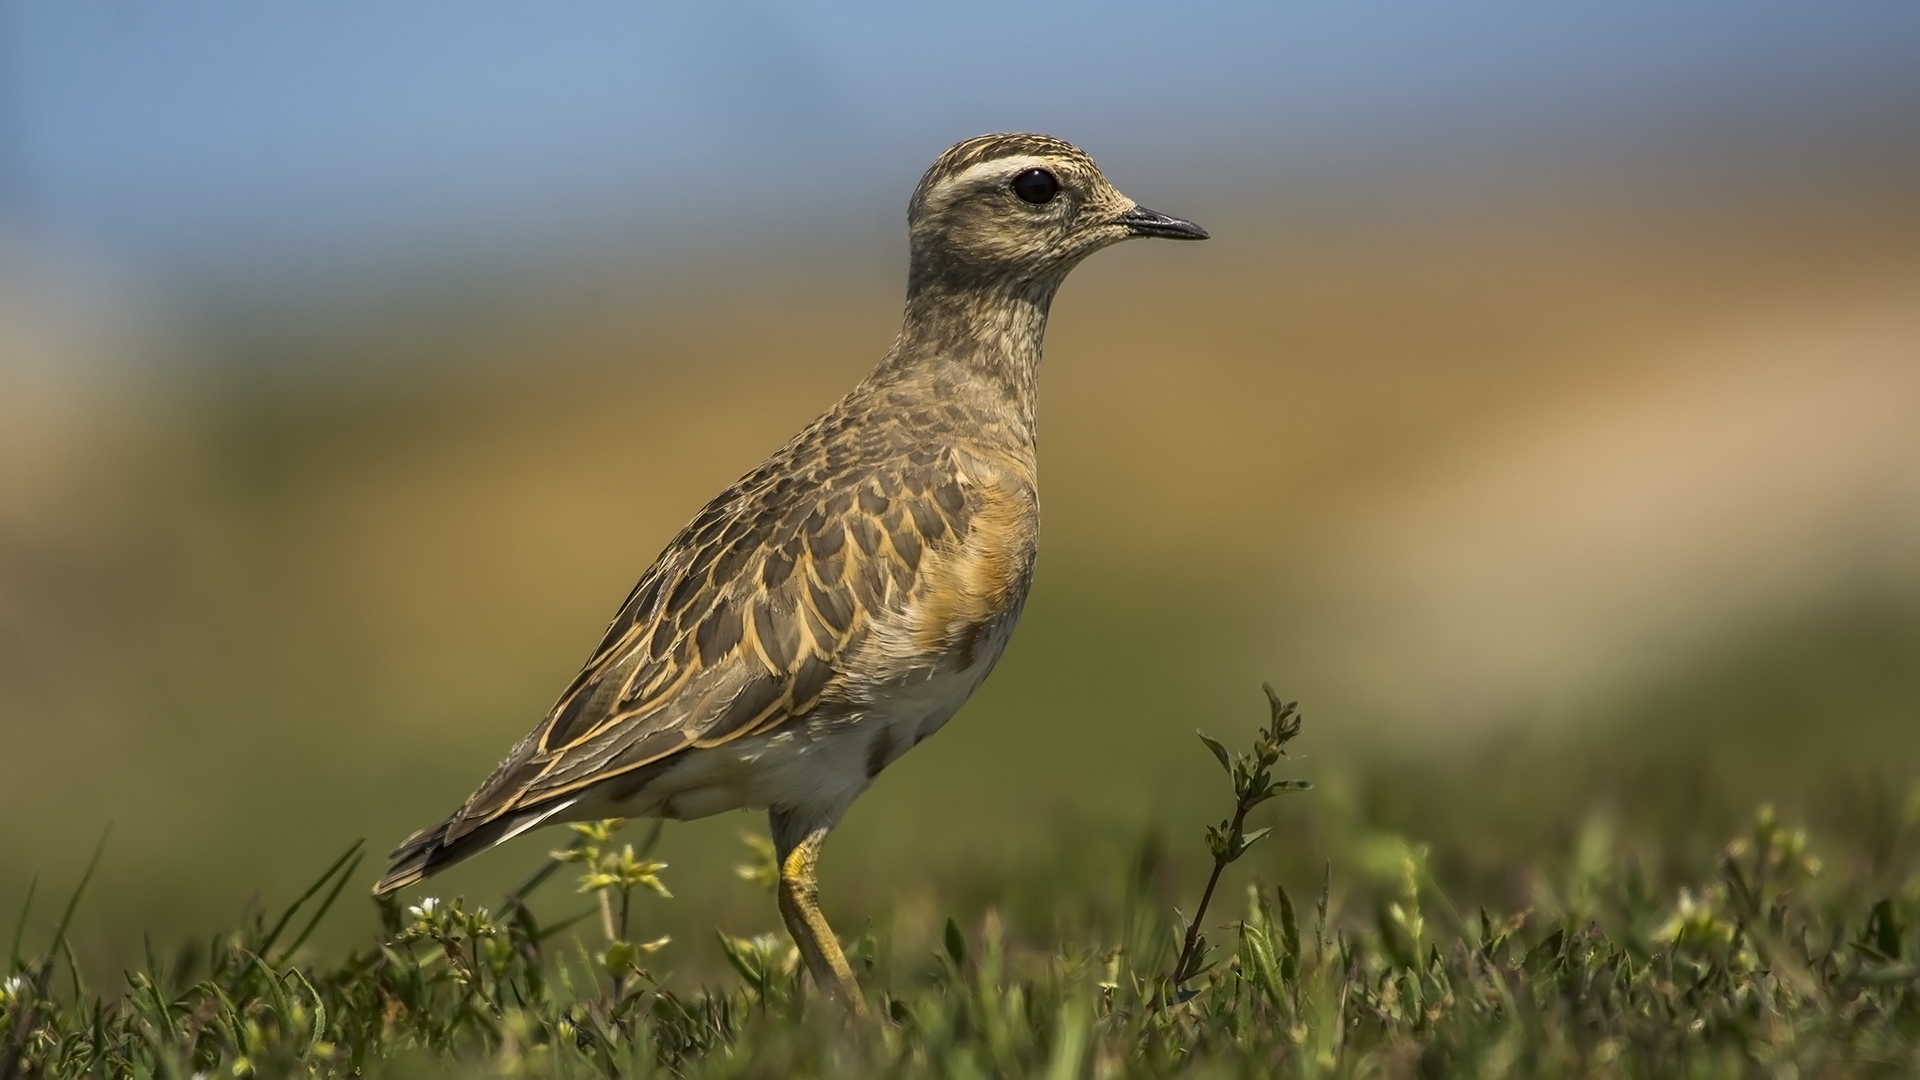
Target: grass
x=1782 y=954
x=310 y=591
x=311 y=596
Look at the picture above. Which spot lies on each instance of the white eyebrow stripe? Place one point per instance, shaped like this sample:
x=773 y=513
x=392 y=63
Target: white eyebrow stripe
x=998 y=168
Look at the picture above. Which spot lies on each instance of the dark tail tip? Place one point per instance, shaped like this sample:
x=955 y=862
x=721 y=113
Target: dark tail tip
x=428 y=851
x=417 y=856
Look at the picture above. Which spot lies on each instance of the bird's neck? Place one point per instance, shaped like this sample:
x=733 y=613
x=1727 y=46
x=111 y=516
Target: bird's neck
x=979 y=346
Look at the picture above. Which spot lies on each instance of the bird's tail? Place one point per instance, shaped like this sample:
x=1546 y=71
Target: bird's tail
x=429 y=851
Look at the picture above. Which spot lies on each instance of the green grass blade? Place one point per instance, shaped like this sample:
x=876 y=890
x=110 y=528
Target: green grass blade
x=23 y=1023
x=547 y=869
x=653 y=839
x=20 y=924
x=276 y=990
x=319 y=1015
x=319 y=913
x=274 y=934
x=73 y=969
x=73 y=902
x=538 y=878
x=545 y=932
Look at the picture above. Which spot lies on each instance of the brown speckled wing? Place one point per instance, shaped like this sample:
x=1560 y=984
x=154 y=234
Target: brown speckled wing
x=746 y=620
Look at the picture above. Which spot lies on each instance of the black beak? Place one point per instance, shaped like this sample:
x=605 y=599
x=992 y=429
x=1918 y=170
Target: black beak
x=1144 y=222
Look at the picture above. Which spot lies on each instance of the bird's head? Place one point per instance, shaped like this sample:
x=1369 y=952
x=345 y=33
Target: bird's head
x=1020 y=209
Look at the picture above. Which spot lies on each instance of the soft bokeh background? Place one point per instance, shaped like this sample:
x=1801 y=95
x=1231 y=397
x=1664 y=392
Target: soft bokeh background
x=1545 y=416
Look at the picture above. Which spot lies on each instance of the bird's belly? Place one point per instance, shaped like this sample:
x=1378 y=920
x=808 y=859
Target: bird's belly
x=822 y=762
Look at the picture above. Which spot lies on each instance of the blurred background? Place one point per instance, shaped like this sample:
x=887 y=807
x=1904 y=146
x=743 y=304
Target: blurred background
x=1544 y=416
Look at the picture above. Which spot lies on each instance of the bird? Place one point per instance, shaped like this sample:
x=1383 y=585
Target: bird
x=840 y=602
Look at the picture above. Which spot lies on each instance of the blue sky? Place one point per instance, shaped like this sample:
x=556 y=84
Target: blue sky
x=202 y=133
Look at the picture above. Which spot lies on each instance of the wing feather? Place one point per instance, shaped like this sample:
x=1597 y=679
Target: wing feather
x=719 y=640
x=745 y=623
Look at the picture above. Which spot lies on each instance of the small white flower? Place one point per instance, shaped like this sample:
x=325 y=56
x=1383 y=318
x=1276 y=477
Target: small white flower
x=424 y=909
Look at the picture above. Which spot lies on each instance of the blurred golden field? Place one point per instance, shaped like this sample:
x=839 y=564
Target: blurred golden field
x=1608 y=504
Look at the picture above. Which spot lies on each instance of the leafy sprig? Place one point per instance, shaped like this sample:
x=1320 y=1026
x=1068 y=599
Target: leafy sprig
x=1253 y=783
x=608 y=872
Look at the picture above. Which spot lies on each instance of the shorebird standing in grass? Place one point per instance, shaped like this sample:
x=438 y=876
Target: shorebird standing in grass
x=840 y=602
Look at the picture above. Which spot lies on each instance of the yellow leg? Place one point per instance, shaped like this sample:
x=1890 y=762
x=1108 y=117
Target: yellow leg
x=800 y=909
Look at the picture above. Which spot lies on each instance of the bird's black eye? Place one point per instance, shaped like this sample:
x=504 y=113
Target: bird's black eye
x=1036 y=186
